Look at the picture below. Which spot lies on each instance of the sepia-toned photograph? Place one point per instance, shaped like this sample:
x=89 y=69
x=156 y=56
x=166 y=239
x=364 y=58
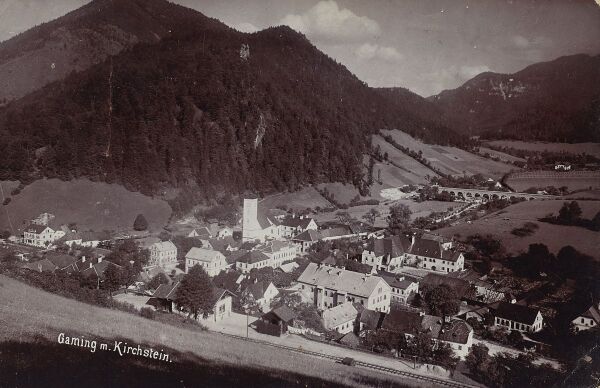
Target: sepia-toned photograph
x=300 y=193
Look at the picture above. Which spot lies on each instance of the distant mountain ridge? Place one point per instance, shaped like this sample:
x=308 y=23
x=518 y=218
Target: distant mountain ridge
x=205 y=107
x=84 y=37
x=553 y=101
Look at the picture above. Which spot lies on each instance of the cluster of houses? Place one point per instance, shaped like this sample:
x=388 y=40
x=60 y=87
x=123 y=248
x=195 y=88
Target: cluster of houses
x=351 y=303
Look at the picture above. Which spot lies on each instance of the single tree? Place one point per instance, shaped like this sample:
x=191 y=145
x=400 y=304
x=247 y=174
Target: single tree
x=157 y=280
x=140 y=223
x=195 y=294
x=442 y=300
x=343 y=217
x=371 y=216
x=113 y=278
x=399 y=217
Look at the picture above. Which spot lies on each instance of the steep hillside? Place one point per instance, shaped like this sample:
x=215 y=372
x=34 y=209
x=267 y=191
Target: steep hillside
x=553 y=101
x=209 y=108
x=85 y=37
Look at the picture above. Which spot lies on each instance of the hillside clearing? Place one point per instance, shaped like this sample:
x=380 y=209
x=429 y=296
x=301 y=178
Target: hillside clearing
x=573 y=180
x=91 y=205
x=573 y=148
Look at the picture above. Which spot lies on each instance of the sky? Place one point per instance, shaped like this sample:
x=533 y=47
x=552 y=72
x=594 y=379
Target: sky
x=424 y=45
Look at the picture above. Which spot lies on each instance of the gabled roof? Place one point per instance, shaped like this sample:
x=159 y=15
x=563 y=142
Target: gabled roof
x=451 y=255
x=435 y=237
x=402 y=321
x=456 y=331
x=593 y=312
x=37 y=229
x=227 y=280
x=516 y=312
x=202 y=254
x=234 y=256
x=397 y=281
x=340 y=279
x=163 y=246
x=427 y=248
x=336 y=231
x=264 y=218
x=98 y=269
x=296 y=222
x=167 y=291
x=394 y=246
x=339 y=314
x=43 y=265
x=289 y=267
x=371 y=319
x=308 y=235
x=283 y=313
x=258 y=289
x=220 y=293
x=276 y=246
x=252 y=257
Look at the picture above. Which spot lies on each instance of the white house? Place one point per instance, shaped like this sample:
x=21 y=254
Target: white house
x=386 y=253
x=272 y=255
x=430 y=254
x=262 y=293
x=163 y=254
x=40 y=235
x=305 y=240
x=588 y=319
x=402 y=286
x=292 y=226
x=327 y=287
x=340 y=318
x=518 y=317
x=213 y=262
x=225 y=232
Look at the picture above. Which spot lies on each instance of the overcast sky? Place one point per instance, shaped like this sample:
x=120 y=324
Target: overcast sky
x=424 y=45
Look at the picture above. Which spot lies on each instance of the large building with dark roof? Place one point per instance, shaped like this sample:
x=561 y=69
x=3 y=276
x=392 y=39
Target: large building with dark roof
x=518 y=317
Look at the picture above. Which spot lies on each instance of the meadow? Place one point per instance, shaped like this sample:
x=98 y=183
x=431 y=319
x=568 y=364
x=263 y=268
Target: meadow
x=573 y=180
x=500 y=224
x=91 y=205
x=573 y=148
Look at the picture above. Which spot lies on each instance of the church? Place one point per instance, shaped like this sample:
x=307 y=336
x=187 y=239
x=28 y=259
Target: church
x=257 y=223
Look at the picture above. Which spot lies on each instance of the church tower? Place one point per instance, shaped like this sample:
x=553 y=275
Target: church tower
x=251 y=229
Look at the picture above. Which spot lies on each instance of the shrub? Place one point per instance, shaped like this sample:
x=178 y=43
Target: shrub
x=147 y=312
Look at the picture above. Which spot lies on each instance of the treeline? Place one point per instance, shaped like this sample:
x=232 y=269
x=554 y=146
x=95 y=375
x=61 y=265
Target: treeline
x=570 y=215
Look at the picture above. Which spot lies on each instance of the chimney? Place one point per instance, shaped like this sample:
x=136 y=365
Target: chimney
x=447 y=319
x=91 y=265
x=412 y=240
x=421 y=313
x=83 y=259
x=100 y=259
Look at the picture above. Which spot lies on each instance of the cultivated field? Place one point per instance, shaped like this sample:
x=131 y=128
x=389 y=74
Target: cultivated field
x=500 y=224
x=577 y=148
x=451 y=160
x=573 y=180
x=92 y=205
x=28 y=313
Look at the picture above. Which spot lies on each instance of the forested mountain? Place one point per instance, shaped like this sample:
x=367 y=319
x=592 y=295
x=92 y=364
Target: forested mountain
x=205 y=107
x=553 y=101
x=84 y=37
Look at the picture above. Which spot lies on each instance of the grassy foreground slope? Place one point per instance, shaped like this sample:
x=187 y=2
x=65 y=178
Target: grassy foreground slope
x=92 y=205
x=31 y=320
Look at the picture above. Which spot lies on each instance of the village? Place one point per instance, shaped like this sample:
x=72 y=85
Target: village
x=396 y=291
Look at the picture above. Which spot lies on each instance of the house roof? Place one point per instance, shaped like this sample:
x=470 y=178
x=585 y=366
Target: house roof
x=283 y=313
x=234 y=256
x=456 y=331
x=371 y=319
x=252 y=257
x=402 y=321
x=98 y=269
x=427 y=248
x=392 y=246
x=258 y=289
x=329 y=260
x=276 y=246
x=308 y=235
x=593 y=312
x=289 y=267
x=296 y=222
x=60 y=260
x=397 y=281
x=451 y=255
x=163 y=246
x=166 y=291
x=340 y=279
x=202 y=254
x=219 y=293
x=227 y=280
x=350 y=339
x=435 y=237
x=264 y=218
x=516 y=312
x=221 y=244
x=36 y=228
x=336 y=231
x=339 y=314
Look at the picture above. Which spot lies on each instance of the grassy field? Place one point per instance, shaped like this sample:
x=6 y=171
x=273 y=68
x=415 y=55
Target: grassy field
x=298 y=200
x=577 y=148
x=573 y=180
x=500 y=224
x=451 y=160
x=31 y=320
x=92 y=205
x=501 y=155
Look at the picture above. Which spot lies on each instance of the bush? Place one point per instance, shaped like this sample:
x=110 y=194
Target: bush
x=147 y=312
x=6 y=201
x=140 y=223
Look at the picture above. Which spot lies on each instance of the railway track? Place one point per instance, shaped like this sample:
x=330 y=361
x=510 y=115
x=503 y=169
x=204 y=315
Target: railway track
x=397 y=372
